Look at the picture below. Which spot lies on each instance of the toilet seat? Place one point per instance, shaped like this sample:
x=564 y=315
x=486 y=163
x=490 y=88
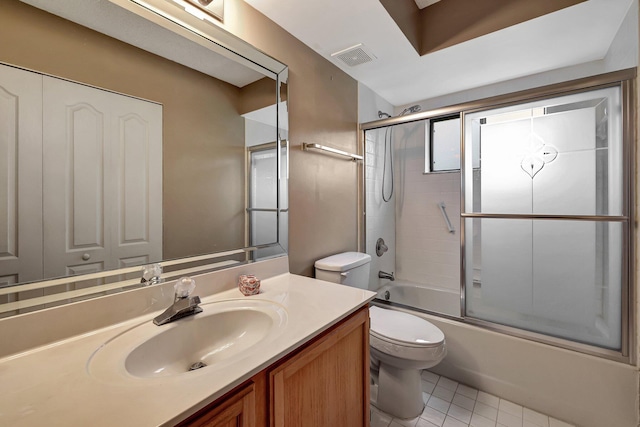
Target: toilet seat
x=403 y=329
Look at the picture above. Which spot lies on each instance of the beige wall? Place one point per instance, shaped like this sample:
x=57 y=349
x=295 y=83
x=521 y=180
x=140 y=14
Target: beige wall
x=258 y=95
x=451 y=22
x=203 y=134
x=323 y=108
x=448 y=23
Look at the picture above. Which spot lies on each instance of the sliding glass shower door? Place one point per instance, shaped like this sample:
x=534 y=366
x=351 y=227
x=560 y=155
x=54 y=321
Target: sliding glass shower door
x=546 y=217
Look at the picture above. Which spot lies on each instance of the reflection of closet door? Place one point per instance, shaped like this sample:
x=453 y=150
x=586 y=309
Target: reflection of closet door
x=137 y=205
x=20 y=175
x=102 y=179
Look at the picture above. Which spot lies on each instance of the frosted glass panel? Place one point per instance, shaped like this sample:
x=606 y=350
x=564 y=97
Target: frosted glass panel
x=504 y=187
x=560 y=278
x=558 y=156
x=507 y=250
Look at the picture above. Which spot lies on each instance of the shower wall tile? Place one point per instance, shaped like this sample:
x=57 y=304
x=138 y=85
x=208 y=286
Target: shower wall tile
x=380 y=215
x=421 y=249
x=426 y=252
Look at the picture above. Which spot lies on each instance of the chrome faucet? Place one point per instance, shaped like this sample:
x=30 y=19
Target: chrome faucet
x=183 y=304
x=385 y=275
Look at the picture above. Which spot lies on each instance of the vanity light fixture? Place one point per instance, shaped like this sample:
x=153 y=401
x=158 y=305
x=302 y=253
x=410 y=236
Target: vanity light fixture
x=207 y=10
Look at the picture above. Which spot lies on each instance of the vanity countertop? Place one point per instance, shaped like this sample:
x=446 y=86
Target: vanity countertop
x=52 y=385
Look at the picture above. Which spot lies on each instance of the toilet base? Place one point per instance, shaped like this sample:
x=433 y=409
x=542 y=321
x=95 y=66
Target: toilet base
x=399 y=391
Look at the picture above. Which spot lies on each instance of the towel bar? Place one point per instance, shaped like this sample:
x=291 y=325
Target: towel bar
x=306 y=146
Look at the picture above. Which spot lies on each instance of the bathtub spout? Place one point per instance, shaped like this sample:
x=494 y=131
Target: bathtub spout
x=385 y=275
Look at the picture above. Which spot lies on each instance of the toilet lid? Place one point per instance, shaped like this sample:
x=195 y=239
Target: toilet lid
x=343 y=262
x=392 y=325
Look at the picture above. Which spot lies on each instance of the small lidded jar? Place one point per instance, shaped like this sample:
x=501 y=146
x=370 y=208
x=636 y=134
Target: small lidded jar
x=248 y=284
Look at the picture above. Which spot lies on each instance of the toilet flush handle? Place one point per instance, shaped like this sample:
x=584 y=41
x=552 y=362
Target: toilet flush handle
x=345 y=274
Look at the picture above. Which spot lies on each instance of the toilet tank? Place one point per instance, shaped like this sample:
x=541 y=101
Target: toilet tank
x=347 y=268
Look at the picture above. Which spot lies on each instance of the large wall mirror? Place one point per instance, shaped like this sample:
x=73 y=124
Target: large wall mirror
x=132 y=133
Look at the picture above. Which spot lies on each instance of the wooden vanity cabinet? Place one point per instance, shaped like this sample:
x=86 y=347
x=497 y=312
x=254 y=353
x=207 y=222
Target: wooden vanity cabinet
x=327 y=382
x=323 y=383
x=236 y=410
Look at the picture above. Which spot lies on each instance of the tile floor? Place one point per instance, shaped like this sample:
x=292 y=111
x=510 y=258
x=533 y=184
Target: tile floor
x=450 y=404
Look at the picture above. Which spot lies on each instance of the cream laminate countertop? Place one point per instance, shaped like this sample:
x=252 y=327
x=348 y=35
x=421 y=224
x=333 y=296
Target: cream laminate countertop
x=52 y=385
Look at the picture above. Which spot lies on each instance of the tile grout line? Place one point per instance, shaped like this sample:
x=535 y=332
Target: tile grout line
x=493 y=409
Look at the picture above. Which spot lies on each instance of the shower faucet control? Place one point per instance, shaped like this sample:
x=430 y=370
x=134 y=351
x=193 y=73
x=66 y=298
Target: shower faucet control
x=385 y=275
x=381 y=248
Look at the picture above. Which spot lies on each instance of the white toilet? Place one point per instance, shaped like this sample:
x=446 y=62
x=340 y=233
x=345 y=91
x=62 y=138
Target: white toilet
x=402 y=345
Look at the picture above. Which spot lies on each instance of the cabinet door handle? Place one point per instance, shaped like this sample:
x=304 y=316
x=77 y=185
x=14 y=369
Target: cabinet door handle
x=86 y=256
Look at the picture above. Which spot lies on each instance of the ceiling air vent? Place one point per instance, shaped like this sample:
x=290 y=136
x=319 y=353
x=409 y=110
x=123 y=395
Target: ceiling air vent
x=354 y=55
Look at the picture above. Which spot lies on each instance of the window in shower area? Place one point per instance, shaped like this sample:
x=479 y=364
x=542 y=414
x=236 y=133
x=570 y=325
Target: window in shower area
x=442 y=152
x=546 y=218
x=442 y=145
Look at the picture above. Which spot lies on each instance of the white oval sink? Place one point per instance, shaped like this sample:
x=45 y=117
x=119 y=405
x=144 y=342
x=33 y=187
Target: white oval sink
x=223 y=333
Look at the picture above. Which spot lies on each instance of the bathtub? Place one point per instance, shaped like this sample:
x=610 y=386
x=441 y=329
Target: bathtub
x=422 y=297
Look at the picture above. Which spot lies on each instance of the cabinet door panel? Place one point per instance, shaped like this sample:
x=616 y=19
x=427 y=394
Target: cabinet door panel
x=238 y=410
x=326 y=384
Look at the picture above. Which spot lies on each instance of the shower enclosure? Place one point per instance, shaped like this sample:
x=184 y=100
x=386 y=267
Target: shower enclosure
x=423 y=253
x=525 y=229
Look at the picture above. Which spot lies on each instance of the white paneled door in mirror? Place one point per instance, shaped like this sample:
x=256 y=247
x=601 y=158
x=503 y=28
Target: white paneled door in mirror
x=20 y=178
x=104 y=151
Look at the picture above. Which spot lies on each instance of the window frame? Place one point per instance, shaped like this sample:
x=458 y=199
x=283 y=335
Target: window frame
x=430 y=140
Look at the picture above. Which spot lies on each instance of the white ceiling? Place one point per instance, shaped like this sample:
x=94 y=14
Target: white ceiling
x=571 y=36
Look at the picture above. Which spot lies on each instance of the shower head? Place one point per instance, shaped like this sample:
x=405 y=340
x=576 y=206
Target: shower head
x=382 y=114
x=411 y=110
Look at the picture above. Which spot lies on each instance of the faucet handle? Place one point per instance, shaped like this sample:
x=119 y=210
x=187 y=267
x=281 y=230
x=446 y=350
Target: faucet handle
x=151 y=273
x=184 y=287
